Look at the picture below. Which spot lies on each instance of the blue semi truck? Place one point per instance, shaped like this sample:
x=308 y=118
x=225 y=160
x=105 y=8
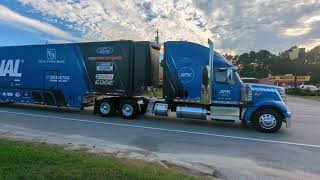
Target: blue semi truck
x=119 y=76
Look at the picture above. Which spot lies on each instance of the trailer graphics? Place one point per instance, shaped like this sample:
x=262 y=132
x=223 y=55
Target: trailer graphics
x=10 y=68
x=119 y=76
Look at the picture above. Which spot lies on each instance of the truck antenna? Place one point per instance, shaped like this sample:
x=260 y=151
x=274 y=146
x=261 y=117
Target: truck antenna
x=157 y=37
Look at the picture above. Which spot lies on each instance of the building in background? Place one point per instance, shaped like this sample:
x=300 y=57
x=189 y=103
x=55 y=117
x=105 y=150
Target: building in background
x=289 y=80
x=267 y=81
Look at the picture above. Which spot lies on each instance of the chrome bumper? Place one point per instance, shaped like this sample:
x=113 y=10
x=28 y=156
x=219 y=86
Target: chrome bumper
x=288 y=119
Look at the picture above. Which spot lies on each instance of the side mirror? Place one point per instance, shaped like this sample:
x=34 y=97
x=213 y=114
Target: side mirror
x=229 y=75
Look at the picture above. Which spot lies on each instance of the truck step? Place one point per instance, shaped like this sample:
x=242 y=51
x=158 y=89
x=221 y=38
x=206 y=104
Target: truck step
x=150 y=107
x=224 y=120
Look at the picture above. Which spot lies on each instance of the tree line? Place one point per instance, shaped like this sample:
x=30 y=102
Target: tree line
x=296 y=61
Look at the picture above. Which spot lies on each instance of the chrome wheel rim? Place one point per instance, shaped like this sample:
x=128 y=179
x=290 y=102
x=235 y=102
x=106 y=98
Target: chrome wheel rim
x=105 y=108
x=267 y=121
x=127 y=110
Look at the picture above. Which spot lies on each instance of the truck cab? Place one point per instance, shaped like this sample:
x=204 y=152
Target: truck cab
x=200 y=83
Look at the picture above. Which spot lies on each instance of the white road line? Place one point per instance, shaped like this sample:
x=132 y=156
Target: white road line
x=167 y=130
x=306 y=115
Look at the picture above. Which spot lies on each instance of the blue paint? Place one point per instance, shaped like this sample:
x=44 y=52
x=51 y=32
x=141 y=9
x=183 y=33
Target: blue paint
x=47 y=68
x=262 y=103
x=185 y=61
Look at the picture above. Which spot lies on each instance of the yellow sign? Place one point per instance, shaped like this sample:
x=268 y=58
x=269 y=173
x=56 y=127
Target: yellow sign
x=290 y=78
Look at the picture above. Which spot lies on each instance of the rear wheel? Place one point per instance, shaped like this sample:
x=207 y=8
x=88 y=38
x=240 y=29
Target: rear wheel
x=267 y=120
x=129 y=109
x=106 y=108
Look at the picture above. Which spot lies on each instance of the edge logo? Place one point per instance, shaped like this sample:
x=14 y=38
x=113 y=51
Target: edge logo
x=10 y=67
x=104 y=50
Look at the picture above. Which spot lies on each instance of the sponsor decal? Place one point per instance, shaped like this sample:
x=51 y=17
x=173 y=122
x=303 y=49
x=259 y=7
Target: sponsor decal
x=26 y=94
x=104 y=79
x=104 y=66
x=51 y=54
x=105 y=58
x=224 y=93
x=10 y=67
x=104 y=82
x=104 y=76
x=51 y=58
x=60 y=79
x=104 y=50
x=17 y=94
x=186 y=75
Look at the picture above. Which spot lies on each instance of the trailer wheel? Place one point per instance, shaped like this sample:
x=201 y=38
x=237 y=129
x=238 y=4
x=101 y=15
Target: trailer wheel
x=129 y=109
x=106 y=108
x=267 y=120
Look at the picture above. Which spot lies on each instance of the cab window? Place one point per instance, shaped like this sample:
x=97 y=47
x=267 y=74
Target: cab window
x=224 y=75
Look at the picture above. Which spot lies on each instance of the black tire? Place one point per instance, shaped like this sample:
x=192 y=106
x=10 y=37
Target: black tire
x=129 y=109
x=106 y=108
x=267 y=120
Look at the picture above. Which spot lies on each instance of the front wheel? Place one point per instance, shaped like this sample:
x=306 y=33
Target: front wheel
x=267 y=120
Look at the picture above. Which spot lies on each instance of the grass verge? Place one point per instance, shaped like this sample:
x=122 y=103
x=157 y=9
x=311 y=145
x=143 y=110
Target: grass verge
x=37 y=161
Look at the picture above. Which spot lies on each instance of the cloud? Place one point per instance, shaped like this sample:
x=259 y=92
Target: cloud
x=12 y=18
x=236 y=26
x=311 y=43
x=304 y=26
x=137 y=20
x=297 y=31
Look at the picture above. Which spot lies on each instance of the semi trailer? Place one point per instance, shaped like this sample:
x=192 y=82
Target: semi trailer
x=122 y=76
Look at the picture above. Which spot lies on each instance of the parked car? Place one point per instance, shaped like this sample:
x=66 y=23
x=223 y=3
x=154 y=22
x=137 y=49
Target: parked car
x=309 y=87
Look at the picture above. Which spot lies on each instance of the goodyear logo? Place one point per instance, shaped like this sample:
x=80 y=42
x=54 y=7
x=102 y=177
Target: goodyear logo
x=10 y=68
x=104 y=50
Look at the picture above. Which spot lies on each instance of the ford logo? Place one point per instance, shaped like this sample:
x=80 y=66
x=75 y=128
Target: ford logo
x=104 y=50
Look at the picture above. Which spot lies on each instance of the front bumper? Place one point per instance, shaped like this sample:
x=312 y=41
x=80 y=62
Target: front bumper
x=288 y=119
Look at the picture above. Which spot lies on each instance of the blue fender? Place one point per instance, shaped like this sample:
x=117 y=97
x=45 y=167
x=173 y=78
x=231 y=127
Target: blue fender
x=266 y=102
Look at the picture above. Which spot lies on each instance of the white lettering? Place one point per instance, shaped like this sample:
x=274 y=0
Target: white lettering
x=10 y=67
x=104 y=82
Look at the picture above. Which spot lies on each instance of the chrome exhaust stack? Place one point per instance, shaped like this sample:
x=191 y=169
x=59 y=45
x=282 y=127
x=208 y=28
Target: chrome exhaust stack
x=211 y=66
x=207 y=77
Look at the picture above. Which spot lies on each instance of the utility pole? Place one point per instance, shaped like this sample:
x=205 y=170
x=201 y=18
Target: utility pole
x=157 y=37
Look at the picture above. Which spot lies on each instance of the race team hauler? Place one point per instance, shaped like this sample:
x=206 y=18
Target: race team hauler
x=115 y=76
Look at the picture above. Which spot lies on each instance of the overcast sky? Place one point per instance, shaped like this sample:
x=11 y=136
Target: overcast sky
x=235 y=26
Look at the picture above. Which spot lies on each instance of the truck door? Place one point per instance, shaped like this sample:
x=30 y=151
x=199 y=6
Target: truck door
x=226 y=89
x=226 y=95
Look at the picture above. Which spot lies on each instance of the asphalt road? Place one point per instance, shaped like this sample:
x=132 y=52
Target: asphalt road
x=238 y=152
